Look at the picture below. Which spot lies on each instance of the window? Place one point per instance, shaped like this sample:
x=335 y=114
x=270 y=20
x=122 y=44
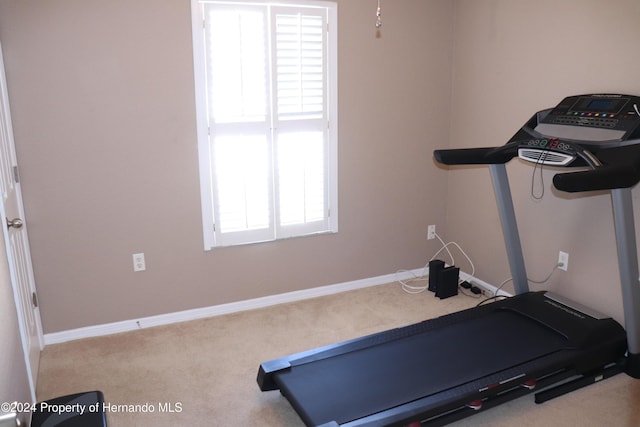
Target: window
x=266 y=79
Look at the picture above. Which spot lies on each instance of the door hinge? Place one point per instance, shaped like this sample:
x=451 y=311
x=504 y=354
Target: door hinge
x=34 y=300
x=16 y=176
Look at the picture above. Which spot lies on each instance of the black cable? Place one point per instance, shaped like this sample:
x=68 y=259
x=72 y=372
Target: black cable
x=495 y=297
x=540 y=161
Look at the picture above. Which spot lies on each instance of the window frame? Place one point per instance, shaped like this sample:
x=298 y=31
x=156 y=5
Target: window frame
x=211 y=236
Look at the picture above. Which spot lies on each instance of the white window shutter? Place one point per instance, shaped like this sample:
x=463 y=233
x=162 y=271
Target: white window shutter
x=237 y=63
x=239 y=123
x=301 y=136
x=300 y=69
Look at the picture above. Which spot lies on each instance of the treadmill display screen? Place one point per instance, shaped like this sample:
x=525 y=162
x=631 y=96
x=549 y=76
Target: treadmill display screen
x=602 y=104
x=598 y=104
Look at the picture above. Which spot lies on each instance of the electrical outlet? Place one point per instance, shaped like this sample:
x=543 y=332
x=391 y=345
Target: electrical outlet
x=431 y=232
x=563 y=261
x=138 y=262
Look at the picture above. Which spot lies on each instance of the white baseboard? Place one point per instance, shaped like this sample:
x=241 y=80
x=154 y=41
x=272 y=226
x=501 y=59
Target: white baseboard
x=217 y=310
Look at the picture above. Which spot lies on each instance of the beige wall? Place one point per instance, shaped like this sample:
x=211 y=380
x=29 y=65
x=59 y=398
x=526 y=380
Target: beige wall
x=102 y=102
x=512 y=58
x=103 y=109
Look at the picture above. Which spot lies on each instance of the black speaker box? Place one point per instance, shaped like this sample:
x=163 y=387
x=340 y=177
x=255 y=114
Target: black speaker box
x=447 y=282
x=435 y=267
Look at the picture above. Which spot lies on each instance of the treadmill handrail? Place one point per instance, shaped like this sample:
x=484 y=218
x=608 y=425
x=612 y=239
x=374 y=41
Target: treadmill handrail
x=620 y=165
x=475 y=156
x=604 y=178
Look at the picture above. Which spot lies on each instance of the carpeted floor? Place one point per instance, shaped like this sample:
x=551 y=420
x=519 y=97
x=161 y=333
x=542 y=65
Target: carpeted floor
x=203 y=373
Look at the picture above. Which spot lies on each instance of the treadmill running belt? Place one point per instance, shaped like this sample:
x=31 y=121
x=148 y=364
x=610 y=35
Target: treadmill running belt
x=353 y=385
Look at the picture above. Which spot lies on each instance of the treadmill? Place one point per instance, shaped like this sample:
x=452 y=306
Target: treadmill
x=533 y=342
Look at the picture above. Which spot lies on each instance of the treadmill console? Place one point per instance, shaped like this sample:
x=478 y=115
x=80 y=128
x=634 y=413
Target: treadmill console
x=548 y=151
x=596 y=118
x=600 y=132
x=560 y=135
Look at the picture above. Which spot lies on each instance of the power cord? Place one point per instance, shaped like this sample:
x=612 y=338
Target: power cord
x=408 y=284
x=409 y=287
x=546 y=279
x=540 y=282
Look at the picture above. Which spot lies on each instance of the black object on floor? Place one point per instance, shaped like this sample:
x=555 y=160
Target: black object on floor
x=74 y=410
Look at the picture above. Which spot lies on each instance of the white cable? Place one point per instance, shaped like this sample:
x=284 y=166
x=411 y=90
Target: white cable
x=504 y=282
x=444 y=246
x=410 y=289
x=546 y=279
x=541 y=282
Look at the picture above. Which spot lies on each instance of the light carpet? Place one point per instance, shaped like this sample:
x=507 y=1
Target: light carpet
x=203 y=372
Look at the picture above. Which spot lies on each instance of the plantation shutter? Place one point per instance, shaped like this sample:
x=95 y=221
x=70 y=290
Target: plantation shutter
x=301 y=121
x=239 y=124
